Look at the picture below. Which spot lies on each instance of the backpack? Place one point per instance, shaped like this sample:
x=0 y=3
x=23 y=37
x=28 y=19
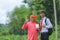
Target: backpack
x=49 y=29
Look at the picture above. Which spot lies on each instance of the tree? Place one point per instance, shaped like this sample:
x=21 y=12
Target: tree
x=17 y=18
x=46 y=5
x=58 y=11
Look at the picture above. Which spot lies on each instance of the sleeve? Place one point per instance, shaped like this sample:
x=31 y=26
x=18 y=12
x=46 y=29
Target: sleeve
x=25 y=26
x=49 y=24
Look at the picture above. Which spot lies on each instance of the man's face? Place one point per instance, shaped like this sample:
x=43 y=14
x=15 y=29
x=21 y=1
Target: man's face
x=42 y=14
x=32 y=19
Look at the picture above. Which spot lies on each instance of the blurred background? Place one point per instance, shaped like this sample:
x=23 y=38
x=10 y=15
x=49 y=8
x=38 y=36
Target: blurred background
x=14 y=12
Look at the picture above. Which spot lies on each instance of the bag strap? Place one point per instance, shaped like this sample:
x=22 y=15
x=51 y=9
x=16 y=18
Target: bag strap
x=39 y=23
x=46 y=21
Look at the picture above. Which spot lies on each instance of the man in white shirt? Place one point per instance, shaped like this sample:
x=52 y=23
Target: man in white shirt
x=45 y=24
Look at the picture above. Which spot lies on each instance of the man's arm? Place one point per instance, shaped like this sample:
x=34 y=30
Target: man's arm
x=49 y=24
x=25 y=26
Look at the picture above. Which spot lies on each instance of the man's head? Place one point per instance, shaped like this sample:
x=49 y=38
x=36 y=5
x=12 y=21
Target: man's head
x=33 y=18
x=42 y=14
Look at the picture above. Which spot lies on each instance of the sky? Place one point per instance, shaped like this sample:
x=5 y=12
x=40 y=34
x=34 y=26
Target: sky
x=6 y=6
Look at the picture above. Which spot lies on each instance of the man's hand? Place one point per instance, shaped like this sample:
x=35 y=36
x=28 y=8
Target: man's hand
x=44 y=25
x=26 y=21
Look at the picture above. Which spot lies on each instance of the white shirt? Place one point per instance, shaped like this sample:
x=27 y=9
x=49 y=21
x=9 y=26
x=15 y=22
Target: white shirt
x=49 y=25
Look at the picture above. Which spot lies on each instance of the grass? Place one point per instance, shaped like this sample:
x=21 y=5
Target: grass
x=10 y=37
x=23 y=37
x=52 y=37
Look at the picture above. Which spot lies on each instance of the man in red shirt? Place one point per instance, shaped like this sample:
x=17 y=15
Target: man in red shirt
x=31 y=26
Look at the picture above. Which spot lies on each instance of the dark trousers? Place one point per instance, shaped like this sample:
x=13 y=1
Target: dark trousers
x=44 y=36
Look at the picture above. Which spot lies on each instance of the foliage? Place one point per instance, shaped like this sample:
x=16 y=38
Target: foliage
x=13 y=30
x=17 y=19
x=10 y=37
x=18 y=15
x=4 y=30
x=46 y=5
x=23 y=37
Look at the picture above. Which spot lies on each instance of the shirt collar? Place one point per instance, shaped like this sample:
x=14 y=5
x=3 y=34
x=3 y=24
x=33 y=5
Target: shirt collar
x=44 y=18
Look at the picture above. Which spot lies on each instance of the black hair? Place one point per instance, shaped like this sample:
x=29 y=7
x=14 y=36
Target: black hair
x=43 y=12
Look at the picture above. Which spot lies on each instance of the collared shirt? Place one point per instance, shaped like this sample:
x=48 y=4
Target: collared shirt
x=49 y=25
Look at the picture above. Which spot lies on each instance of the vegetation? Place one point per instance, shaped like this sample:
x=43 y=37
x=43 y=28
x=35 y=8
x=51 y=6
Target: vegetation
x=13 y=31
